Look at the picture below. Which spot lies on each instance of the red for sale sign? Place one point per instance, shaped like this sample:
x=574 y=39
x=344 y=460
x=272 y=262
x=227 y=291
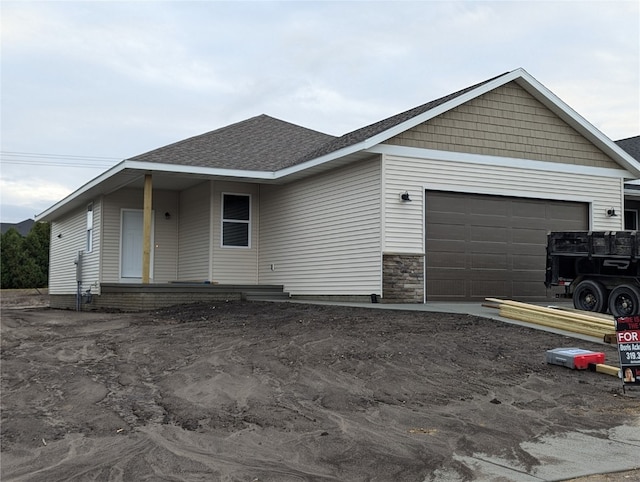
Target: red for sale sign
x=628 y=336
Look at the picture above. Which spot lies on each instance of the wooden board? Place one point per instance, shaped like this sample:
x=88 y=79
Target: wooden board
x=571 y=321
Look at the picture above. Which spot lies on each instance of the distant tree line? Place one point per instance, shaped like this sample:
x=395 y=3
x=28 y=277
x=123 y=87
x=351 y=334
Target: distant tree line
x=25 y=259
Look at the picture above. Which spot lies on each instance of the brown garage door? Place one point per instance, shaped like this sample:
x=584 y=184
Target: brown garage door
x=480 y=246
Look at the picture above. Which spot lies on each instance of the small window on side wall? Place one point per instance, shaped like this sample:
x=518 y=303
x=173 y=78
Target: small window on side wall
x=236 y=220
x=89 y=246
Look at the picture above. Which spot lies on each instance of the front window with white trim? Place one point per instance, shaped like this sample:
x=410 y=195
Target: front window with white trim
x=236 y=220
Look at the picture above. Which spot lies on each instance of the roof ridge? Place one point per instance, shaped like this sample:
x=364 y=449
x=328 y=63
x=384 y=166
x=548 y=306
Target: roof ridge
x=223 y=129
x=191 y=138
x=259 y=143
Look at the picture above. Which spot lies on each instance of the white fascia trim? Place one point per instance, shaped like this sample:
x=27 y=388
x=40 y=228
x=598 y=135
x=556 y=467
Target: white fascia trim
x=155 y=167
x=461 y=157
x=89 y=185
x=540 y=92
x=205 y=171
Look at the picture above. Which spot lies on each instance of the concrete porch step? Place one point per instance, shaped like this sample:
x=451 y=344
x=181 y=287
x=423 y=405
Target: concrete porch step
x=266 y=295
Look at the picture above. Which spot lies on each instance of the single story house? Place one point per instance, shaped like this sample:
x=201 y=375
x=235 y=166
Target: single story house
x=450 y=200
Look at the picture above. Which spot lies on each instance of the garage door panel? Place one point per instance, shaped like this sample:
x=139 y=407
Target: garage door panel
x=528 y=209
x=444 y=231
x=449 y=261
x=488 y=289
x=492 y=245
x=530 y=223
x=480 y=275
x=446 y=217
x=529 y=289
x=485 y=233
x=488 y=247
x=489 y=207
x=526 y=235
x=524 y=262
x=489 y=221
x=489 y=261
x=449 y=273
x=447 y=203
x=451 y=289
x=518 y=249
x=449 y=248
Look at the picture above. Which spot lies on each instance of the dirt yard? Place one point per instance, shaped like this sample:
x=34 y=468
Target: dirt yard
x=260 y=391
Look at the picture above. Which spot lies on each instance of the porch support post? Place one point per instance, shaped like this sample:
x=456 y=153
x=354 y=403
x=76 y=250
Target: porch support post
x=146 y=229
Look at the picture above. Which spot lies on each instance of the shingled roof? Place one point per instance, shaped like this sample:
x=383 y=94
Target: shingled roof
x=261 y=143
x=631 y=145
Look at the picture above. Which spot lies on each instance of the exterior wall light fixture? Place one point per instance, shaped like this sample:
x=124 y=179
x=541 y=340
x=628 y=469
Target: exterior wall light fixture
x=405 y=196
x=611 y=213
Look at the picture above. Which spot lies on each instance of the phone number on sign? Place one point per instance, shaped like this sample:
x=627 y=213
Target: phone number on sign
x=631 y=356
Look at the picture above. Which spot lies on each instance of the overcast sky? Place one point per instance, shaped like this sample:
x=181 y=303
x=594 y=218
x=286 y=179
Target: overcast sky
x=86 y=84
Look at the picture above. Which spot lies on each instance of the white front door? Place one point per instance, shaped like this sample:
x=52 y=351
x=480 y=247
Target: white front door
x=131 y=245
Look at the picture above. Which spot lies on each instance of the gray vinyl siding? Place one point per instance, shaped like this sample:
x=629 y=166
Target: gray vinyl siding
x=165 y=236
x=236 y=265
x=404 y=221
x=322 y=234
x=194 y=233
x=164 y=249
x=68 y=237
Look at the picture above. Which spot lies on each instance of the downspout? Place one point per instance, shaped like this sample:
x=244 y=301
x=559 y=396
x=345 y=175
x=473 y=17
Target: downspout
x=212 y=250
x=78 y=263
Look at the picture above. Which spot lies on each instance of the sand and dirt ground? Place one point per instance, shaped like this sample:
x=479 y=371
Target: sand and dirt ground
x=257 y=391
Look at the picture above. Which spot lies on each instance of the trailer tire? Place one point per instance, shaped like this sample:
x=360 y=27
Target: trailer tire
x=624 y=300
x=590 y=295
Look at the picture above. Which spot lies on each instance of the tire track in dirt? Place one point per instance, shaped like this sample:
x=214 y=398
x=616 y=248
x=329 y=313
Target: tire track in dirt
x=242 y=391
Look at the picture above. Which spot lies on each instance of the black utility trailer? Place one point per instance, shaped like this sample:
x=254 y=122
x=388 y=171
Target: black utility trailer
x=598 y=269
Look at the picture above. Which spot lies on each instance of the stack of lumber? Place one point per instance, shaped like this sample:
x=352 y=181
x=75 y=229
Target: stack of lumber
x=585 y=323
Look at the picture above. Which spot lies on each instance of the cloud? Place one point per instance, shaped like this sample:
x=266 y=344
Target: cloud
x=131 y=40
x=116 y=79
x=32 y=193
